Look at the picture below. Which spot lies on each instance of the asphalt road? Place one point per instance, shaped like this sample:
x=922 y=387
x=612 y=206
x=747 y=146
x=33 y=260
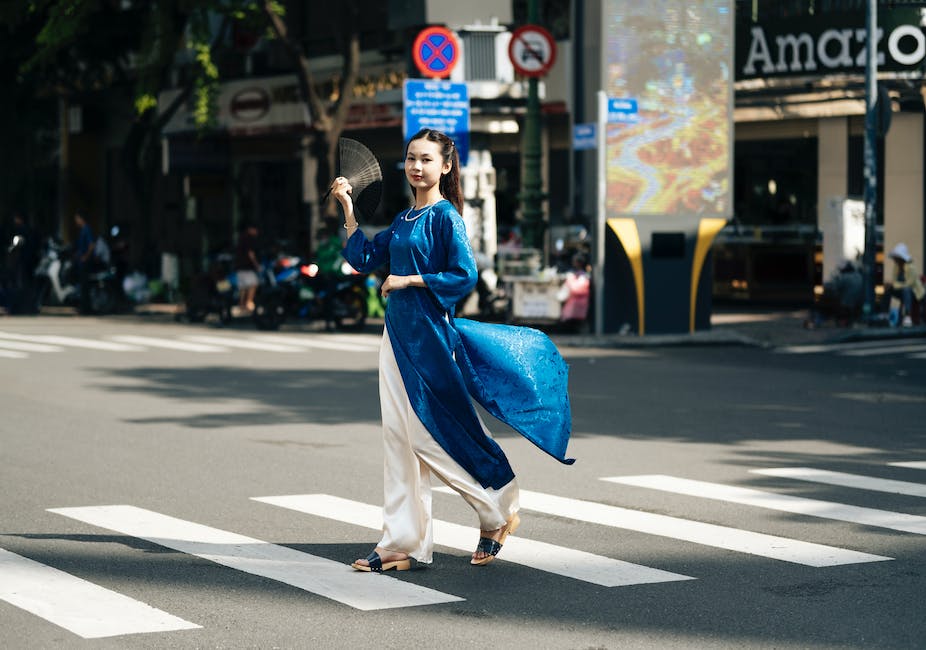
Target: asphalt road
x=130 y=477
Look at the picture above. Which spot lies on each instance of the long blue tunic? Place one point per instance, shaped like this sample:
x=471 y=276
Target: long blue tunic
x=515 y=373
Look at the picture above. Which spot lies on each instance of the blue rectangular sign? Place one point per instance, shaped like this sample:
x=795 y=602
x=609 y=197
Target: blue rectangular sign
x=622 y=110
x=440 y=105
x=584 y=136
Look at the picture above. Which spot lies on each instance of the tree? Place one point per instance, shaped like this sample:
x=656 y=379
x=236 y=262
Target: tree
x=70 y=49
x=328 y=118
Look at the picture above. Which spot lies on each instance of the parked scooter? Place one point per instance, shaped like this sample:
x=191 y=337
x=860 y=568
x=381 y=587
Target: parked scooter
x=56 y=282
x=294 y=290
x=213 y=292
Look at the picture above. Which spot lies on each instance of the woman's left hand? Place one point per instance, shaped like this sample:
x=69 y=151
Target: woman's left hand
x=394 y=282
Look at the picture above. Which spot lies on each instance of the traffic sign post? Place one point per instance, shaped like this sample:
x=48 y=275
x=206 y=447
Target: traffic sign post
x=435 y=52
x=439 y=105
x=532 y=51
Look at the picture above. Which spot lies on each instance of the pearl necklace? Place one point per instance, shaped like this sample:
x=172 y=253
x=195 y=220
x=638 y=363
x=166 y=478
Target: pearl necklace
x=420 y=212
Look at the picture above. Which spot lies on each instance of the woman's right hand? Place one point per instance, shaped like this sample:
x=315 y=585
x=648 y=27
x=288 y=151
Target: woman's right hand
x=341 y=189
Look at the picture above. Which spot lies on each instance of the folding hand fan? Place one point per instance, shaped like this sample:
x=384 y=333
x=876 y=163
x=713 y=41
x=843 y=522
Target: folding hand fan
x=359 y=166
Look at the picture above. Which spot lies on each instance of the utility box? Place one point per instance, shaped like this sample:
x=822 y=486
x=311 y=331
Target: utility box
x=842 y=224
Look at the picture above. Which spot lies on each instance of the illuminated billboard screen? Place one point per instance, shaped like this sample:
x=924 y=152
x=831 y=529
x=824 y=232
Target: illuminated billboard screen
x=668 y=80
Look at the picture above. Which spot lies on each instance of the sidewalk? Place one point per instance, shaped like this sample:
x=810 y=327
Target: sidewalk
x=752 y=326
x=730 y=325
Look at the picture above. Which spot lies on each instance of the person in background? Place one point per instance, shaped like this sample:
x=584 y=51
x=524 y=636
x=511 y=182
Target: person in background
x=574 y=293
x=246 y=267
x=83 y=259
x=906 y=284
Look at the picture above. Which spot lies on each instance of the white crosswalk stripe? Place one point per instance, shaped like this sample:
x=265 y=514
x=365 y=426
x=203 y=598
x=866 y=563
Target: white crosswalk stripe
x=916 y=464
x=860 y=348
x=568 y=562
x=731 y=539
x=894 y=349
x=18 y=346
x=22 y=346
x=170 y=344
x=79 y=606
x=327 y=578
x=228 y=341
x=322 y=344
x=781 y=502
x=71 y=341
x=845 y=480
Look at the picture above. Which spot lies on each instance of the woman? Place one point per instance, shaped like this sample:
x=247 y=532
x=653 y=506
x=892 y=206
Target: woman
x=430 y=363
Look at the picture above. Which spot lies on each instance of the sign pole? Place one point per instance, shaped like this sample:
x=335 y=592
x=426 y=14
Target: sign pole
x=871 y=161
x=532 y=195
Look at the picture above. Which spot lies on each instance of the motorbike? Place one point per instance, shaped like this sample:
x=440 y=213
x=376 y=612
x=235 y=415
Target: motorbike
x=213 y=292
x=56 y=282
x=292 y=289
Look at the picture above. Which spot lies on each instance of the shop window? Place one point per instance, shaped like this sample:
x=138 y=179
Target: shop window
x=775 y=183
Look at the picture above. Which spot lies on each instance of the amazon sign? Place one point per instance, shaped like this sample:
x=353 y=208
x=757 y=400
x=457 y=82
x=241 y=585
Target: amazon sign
x=830 y=44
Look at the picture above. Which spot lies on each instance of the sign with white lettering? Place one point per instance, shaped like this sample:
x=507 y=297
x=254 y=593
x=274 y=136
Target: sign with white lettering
x=440 y=105
x=584 y=136
x=829 y=44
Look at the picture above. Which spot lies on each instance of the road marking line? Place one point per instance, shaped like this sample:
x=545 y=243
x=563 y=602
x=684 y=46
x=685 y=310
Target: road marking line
x=372 y=340
x=242 y=343
x=780 y=502
x=315 y=343
x=168 y=343
x=69 y=341
x=7 y=354
x=731 y=539
x=568 y=562
x=869 y=352
x=837 y=347
x=317 y=575
x=845 y=480
x=915 y=464
x=84 y=608
x=29 y=347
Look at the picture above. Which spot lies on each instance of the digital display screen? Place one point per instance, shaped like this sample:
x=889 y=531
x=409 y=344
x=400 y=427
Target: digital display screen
x=668 y=79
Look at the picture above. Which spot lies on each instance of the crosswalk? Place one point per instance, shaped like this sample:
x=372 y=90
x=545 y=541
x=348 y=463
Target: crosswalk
x=909 y=348
x=21 y=346
x=91 y=611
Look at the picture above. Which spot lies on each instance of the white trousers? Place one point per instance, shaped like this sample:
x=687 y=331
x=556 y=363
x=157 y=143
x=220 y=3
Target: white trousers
x=411 y=455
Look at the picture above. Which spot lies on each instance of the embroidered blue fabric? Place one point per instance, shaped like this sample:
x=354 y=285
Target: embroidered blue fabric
x=515 y=373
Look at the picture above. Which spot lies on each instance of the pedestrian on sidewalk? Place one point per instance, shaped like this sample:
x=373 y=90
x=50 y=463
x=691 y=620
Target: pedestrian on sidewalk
x=247 y=267
x=431 y=364
x=906 y=285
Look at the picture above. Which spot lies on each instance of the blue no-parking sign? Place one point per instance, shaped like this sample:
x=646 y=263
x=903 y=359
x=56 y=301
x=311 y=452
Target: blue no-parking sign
x=440 y=105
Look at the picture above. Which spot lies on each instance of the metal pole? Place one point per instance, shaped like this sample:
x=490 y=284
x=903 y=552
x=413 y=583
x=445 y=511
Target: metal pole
x=871 y=159
x=532 y=195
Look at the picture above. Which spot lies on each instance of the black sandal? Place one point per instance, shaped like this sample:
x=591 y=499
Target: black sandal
x=490 y=546
x=377 y=565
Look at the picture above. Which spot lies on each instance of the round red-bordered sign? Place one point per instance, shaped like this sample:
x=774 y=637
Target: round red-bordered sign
x=435 y=52
x=532 y=50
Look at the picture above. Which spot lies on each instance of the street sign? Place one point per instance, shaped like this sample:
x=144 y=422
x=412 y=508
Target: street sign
x=623 y=110
x=584 y=136
x=440 y=105
x=435 y=52
x=532 y=50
